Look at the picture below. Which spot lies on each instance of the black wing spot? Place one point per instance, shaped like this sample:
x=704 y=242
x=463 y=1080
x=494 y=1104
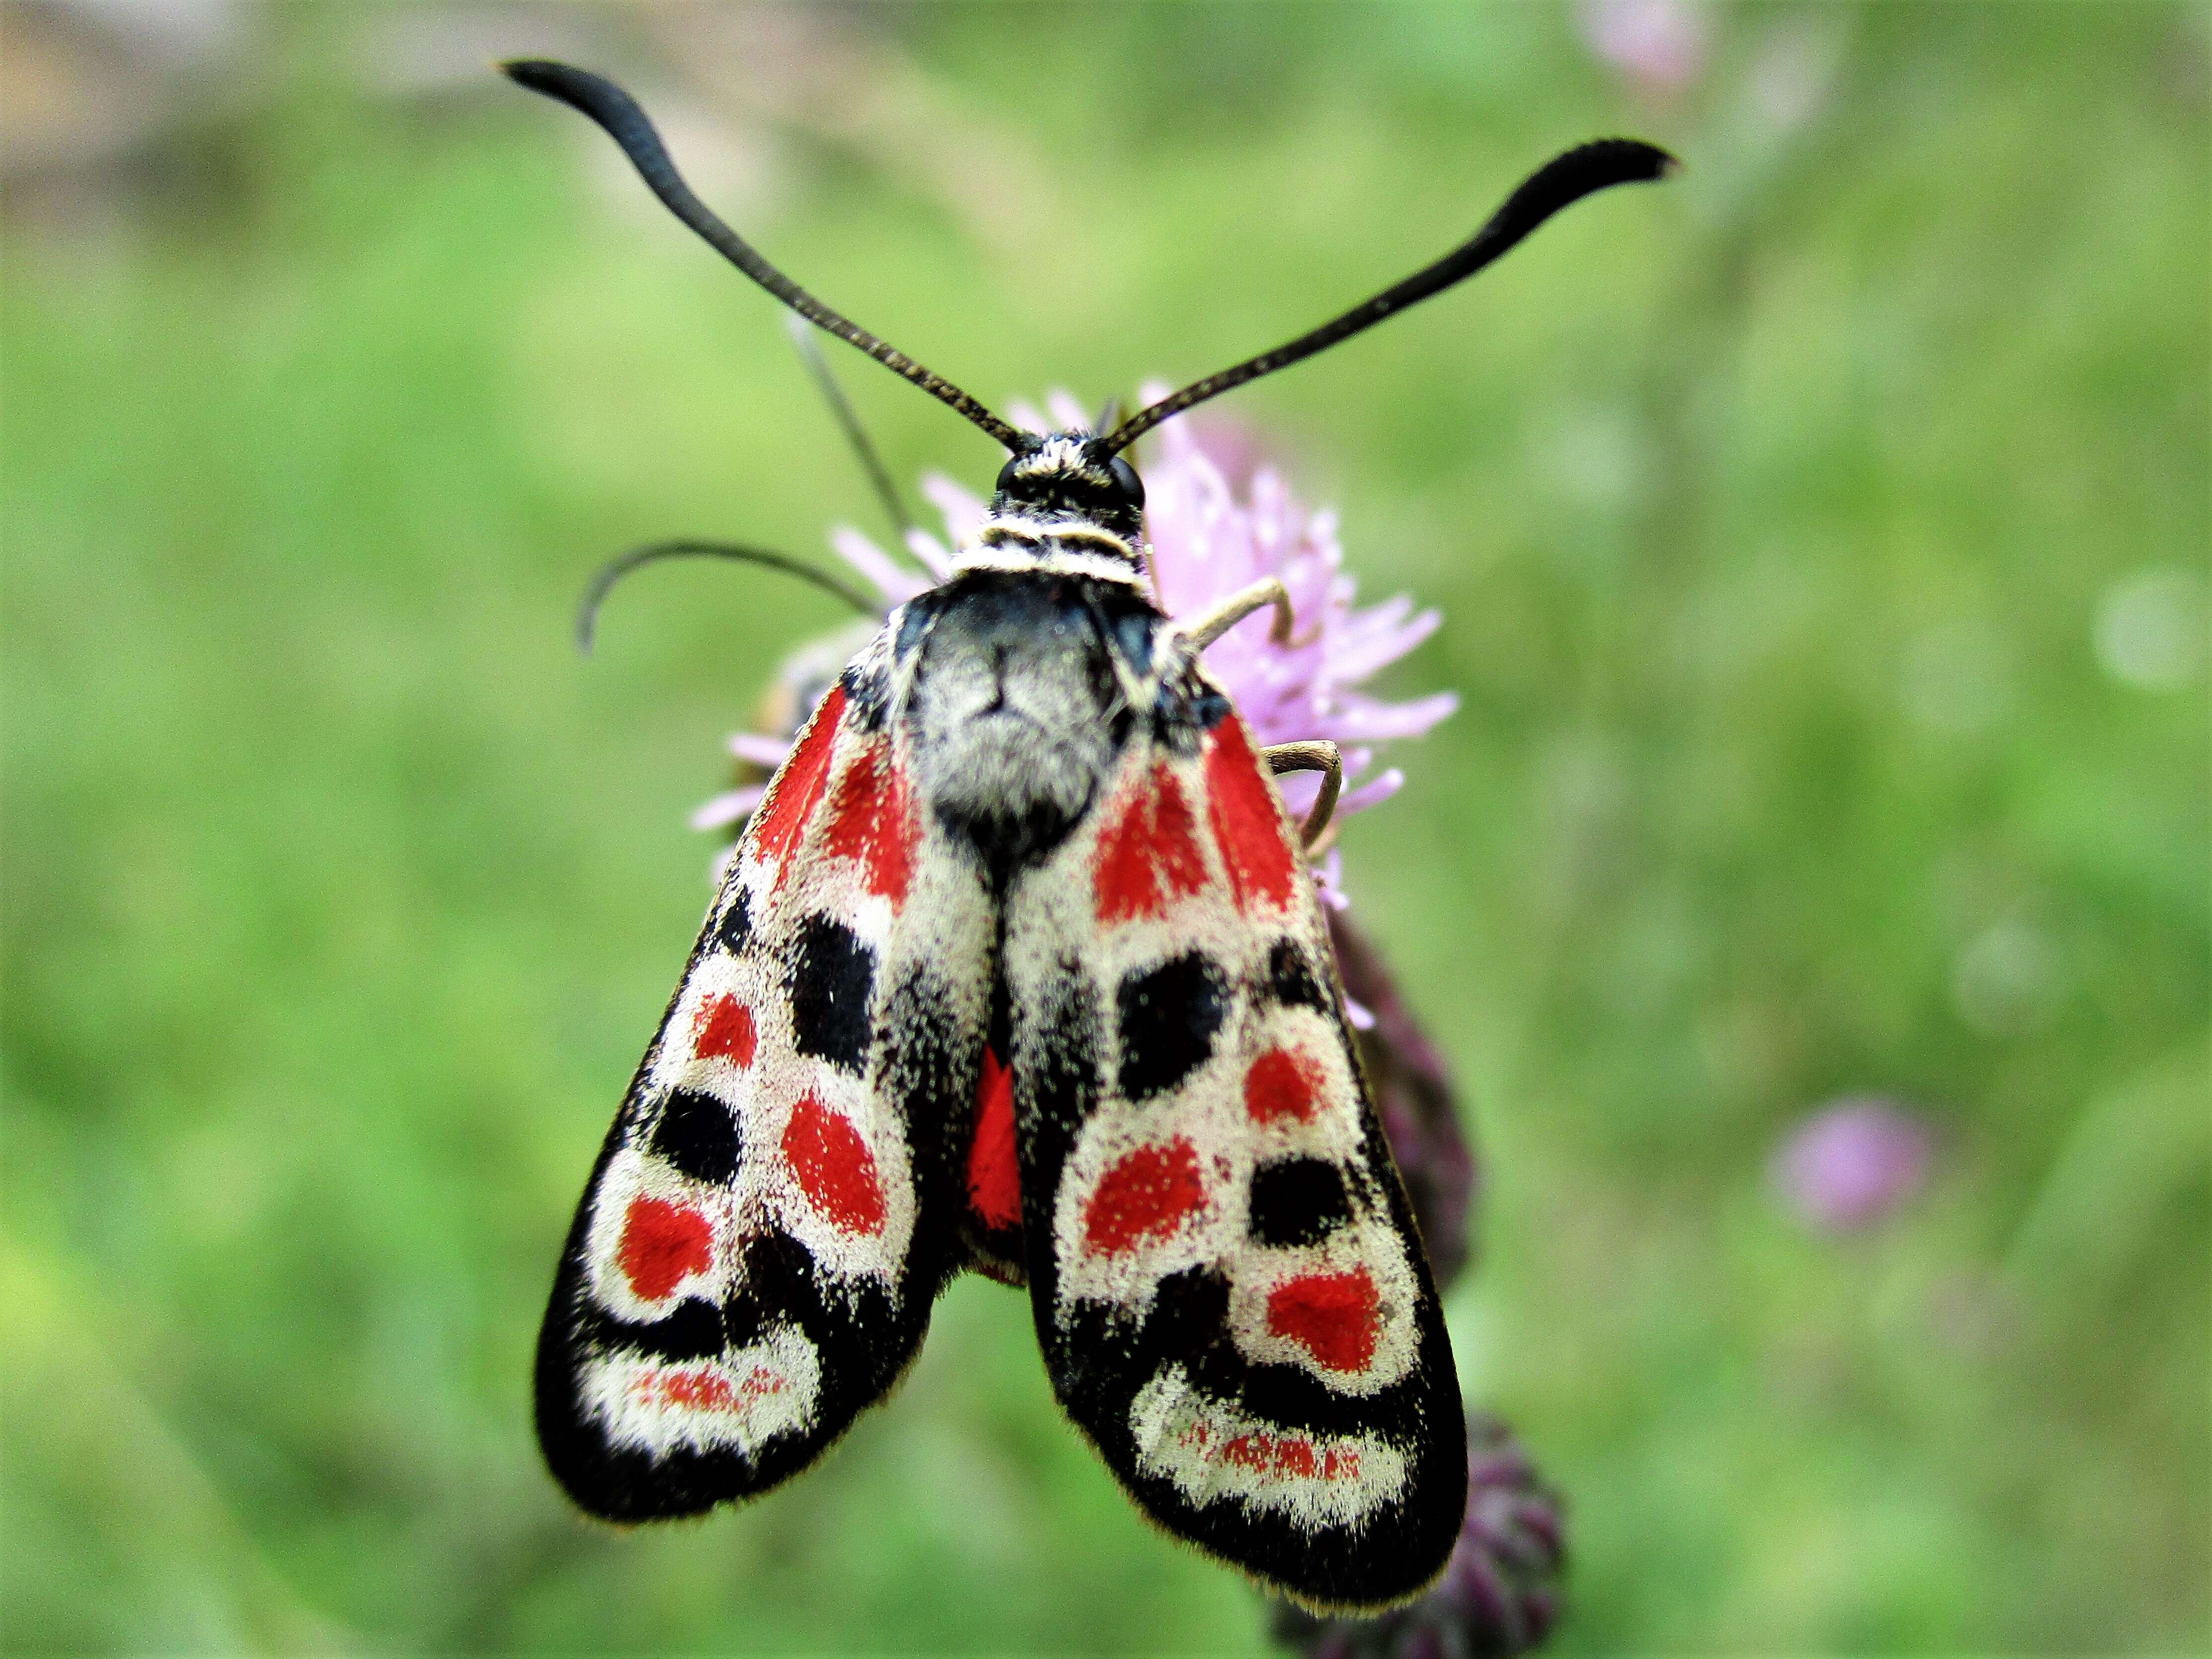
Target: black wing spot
x=736 y=926
x=831 y=978
x=692 y=1330
x=1168 y=1017
x=1298 y=1201
x=1291 y=979
x=698 y=1135
x=1190 y=1310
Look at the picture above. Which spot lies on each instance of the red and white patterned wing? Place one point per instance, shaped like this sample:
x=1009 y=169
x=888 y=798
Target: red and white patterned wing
x=1231 y=1296
x=778 y=1202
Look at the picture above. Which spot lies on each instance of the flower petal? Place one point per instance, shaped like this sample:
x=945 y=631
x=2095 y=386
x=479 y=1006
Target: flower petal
x=1371 y=794
x=1363 y=718
x=727 y=808
x=936 y=557
x=965 y=511
x=896 y=585
x=759 y=748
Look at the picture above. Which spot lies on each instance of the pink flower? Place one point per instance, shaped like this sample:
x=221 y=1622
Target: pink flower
x=1210 y=537
x=1853 y=1163
x=1662 y=46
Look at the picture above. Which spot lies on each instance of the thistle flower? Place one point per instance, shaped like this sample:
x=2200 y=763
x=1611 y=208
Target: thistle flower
x=1853 y=1163
x=1208 y=539
x=1499 y=1592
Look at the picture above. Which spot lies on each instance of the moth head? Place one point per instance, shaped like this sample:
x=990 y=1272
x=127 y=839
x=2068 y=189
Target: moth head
x=1072 y=476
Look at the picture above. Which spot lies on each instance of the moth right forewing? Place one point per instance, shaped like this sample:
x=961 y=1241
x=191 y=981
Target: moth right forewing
x=1224 y=1273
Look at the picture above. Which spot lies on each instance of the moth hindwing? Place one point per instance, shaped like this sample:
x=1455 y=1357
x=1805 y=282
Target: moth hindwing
x=1018 y=967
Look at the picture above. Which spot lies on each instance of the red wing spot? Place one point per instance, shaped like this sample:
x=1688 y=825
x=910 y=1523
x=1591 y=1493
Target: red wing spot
x=723 y=1030
x=1268 y=1455
x=1290 y=1457
x=1282 y=1083
x=872 y=820
x=760 y=1381
x=1247 y=1452
x=1337 y=1316
x=1149 y=855
x=890 y=862
x=704 y=1390
x=853 y=819
x=1174 y=837
x=698 y=1391
x=994 y=1184
x=797 y=789
x=1247 y=819
x=662 y=1245
x=834 y=1168
x=1148 y=1193
x=1122 y=879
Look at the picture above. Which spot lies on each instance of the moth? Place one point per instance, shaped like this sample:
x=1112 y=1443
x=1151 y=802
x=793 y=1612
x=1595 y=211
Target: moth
x=1018 y=968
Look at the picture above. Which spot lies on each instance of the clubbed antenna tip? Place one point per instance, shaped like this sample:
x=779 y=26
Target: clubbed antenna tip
x=618 y=114
x=1560 y=182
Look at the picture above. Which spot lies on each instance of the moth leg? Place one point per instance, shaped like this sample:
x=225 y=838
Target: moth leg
x=1318 y=831
x=1209 y=625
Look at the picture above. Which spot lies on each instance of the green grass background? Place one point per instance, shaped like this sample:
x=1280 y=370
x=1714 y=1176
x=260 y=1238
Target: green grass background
x=1771 y=512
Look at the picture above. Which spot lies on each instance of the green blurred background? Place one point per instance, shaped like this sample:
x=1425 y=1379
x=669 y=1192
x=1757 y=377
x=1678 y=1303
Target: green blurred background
x=1822 y=541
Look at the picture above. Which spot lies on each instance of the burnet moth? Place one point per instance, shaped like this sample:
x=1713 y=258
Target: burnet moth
x=1017 y=967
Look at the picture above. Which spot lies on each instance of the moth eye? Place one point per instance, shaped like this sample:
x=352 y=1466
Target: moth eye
x=1127 y=481
x=1006 y=475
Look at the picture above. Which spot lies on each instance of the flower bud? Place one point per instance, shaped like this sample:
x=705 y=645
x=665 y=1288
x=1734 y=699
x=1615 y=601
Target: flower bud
x=1414 y=1098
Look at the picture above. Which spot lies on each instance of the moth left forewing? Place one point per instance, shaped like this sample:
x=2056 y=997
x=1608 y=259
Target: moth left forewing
x=1225 y=1276
x=775 y=1207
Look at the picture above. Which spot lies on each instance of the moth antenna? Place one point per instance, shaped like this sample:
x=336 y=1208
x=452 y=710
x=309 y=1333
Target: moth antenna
x=595 y=594
x=1560 y=182
x=849 y=421
x=1108 y=412
x=618 y=114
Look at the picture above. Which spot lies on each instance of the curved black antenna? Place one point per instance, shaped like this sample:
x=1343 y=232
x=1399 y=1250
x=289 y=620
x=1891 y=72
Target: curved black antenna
x=628 y=125
x=802 y=336
x=587 y=614
x=1561 y=181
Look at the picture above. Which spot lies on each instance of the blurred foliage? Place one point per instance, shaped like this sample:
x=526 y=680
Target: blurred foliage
x=1794 y=525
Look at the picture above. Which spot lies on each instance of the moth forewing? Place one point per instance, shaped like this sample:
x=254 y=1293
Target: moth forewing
x=1233 y=1300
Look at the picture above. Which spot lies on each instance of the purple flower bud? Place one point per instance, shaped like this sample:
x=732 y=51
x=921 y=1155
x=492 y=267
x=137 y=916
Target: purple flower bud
x=1499 y=1593
x=1414 y=1098
x=1853 y=1163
